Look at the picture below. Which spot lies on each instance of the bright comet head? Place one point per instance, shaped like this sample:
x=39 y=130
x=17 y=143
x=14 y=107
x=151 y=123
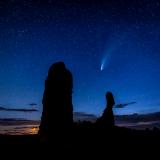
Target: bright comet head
x=102 y=67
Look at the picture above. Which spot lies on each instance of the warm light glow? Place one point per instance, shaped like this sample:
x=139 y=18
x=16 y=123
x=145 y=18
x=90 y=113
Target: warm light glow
x=32 y=130
x=19 y=130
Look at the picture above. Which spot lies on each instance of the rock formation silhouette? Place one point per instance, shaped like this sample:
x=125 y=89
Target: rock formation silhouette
x=107 y=118
x=57 y=115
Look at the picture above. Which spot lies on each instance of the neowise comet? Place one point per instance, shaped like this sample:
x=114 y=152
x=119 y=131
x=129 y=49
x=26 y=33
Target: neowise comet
x=106 y=59
x=110 y=50
x=102 y=65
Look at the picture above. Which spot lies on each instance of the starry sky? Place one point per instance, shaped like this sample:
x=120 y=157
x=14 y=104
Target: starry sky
x=107 y=45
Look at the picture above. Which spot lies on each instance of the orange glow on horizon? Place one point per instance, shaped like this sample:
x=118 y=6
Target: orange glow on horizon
x=32 y=130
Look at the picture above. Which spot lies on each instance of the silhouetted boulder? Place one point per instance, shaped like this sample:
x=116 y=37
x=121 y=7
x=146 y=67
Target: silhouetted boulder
x=57 y=115
x=107 y=118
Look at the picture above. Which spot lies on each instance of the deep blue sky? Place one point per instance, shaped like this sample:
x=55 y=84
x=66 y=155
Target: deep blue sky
x=84 y=34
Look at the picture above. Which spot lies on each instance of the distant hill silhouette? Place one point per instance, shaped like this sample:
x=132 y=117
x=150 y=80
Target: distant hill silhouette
x=135 y=121
x=139 y=117
x=82 y=116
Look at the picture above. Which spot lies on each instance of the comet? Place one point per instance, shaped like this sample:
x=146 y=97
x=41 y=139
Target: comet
x=106 y=58
x=102 y=66
x=111 y=49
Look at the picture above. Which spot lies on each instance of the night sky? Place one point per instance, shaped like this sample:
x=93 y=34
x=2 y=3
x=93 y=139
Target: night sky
x=107 y=45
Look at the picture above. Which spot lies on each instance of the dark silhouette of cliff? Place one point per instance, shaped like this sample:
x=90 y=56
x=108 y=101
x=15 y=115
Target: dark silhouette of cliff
x=57 y=115
x=107 y=118
x=57 y=120
x=57 y=127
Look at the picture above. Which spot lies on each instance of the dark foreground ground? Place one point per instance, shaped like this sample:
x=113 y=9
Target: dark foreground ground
x=85 y=141
x=86 y=138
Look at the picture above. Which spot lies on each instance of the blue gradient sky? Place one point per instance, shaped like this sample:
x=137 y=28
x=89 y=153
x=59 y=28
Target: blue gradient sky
x=83 y=34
